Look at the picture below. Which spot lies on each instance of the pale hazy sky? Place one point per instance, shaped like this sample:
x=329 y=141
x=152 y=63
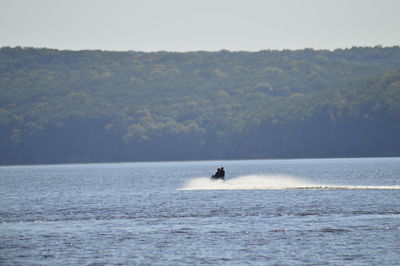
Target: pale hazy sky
x=191 y=25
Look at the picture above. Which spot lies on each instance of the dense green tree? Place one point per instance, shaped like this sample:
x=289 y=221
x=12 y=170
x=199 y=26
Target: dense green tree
x=79 y=106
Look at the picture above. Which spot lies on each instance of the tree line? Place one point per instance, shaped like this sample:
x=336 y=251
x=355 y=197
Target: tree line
x=92 y=106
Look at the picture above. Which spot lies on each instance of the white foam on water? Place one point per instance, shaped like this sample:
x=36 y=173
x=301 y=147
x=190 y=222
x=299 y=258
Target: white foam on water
x=258 y=182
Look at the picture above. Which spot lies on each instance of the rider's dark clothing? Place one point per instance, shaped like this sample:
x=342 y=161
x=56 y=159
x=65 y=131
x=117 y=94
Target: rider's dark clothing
x=221 y=173
x=217 y=174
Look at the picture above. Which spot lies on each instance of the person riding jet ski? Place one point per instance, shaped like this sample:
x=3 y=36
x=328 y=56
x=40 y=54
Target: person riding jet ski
x=220 y=174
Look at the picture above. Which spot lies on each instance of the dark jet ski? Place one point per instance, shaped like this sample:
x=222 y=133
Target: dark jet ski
x=213 y=177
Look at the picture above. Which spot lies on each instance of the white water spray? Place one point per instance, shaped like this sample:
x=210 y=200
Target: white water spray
x=254 y=182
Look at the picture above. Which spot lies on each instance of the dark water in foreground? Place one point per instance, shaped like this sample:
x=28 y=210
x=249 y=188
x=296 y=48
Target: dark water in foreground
x=282 y=212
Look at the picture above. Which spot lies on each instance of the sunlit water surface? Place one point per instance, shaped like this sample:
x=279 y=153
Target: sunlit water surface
x=283 y=212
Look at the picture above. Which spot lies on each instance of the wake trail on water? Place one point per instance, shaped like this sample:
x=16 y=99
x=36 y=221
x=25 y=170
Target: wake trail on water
x=266 y=182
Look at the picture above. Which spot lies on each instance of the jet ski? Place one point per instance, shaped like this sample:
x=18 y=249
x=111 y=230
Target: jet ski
x=214 y=177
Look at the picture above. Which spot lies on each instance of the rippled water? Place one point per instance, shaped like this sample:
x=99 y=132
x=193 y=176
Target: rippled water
x=283 y=212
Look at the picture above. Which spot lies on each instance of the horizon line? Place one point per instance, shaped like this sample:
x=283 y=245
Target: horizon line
x=194 y=51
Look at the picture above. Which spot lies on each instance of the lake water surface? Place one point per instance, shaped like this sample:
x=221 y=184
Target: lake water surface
x=268 y=212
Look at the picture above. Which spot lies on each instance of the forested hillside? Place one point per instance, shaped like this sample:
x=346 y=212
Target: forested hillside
x=91 y=106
